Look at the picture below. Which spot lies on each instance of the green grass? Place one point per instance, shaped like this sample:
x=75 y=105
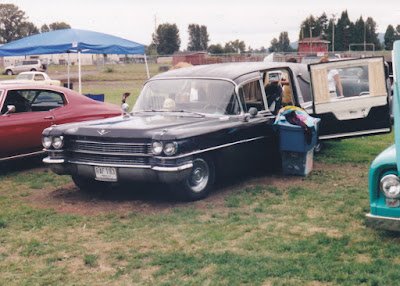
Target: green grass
x=264 y=230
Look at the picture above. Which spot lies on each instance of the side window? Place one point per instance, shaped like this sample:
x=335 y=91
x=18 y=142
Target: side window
x=39 y=77
x=359 y=78
x=251 y=95
x=33 y=100
x=46 y=100
x=278 y=89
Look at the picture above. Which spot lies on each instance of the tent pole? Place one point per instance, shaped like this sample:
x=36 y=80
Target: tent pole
x=68 y=82
x=79 y=72
x=147 y=67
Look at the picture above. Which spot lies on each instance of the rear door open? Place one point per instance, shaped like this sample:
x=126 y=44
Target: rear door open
x=360 y=106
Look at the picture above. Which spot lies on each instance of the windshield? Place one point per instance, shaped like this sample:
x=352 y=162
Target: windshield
x=24 y=76
x=192 y=95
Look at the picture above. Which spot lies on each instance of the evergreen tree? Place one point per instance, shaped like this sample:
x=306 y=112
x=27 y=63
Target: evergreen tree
x=166 y=39
x=390 y=37
x=198 y=38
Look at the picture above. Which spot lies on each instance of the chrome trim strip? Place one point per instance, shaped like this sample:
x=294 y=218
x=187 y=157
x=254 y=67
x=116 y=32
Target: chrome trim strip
x=357 y=133
x=113 y=143
x=109 y=153
x=382 y=222
x=110 y=165
x=173 y=169
x=48 y=160
x=210 y=149
x=22 y=156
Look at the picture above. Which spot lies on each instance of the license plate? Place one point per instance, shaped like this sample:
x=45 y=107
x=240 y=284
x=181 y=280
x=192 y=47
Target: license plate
x=106 y=173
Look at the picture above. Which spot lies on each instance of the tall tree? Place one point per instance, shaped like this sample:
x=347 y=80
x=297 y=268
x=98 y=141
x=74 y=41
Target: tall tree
x=59 y=26
x=11 y=18
x=216 y=49
x=236 y=46
x=166 y=39
x=390 y=37
x=371 y=34
x=198 y=38
x=343 y=32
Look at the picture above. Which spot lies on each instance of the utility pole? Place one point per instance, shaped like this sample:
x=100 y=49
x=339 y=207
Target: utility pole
x=333 y=33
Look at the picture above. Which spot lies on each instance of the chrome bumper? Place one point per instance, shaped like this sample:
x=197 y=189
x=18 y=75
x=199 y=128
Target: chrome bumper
x=125 y=173
x=382 y=222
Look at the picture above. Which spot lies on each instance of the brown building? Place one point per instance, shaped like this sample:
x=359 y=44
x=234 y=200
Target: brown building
x=313 y=46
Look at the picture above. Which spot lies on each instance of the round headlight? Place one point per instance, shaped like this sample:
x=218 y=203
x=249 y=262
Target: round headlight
x=157 y=147
x=390 y=186
x=170 y=148
x=58 y=142
x=46 y=142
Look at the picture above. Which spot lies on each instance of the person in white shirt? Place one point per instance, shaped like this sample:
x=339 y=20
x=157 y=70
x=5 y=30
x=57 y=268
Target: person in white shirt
x=333 y=80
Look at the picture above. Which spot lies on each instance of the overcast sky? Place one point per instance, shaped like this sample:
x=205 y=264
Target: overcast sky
x=256 y=22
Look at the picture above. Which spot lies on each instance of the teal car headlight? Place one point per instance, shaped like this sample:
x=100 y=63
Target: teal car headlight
x=390 y=186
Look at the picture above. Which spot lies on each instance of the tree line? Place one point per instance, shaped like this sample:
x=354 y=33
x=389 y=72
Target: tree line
x=14 y=24
x=342 y=33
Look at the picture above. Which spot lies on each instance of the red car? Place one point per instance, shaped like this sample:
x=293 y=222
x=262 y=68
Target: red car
x=28 y=109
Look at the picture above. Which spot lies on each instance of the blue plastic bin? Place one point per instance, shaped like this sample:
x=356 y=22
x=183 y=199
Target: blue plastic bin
x=97 y=97
x=297 y=163
x=292 y=137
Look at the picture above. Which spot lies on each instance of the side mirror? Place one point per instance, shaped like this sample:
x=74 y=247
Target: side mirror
x=10 y=109
x=125 y=110
x=253 y=111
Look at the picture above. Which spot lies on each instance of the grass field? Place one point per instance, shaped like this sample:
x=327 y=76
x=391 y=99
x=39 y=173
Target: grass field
x=266 y=229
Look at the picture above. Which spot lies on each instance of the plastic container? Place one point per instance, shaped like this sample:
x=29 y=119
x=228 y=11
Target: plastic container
x=293 y=138
x=297 y=163
x=97 y=97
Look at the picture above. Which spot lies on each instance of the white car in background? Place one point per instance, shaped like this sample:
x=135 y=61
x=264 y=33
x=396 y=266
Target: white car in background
x=25 y=65
x=33 y=77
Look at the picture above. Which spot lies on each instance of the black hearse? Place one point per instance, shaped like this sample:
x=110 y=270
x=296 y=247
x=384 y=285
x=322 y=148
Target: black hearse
x=190 y=123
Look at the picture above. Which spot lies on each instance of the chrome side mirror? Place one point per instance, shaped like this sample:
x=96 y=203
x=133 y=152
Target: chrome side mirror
x=125 y=110
x=10 y=109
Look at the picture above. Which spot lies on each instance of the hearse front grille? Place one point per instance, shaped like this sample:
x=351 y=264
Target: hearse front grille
x=90 y=151
x=106 y=147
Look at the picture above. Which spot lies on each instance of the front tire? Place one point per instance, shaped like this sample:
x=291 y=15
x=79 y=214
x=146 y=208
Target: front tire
x=200 y=181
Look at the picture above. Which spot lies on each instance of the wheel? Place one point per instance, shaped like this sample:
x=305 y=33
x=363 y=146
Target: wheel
x=200 y=181
x=318 y=147
x=89 y=185
x=9 y=72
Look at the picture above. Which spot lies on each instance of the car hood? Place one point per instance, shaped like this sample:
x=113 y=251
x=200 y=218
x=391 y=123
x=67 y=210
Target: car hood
x=154 y=125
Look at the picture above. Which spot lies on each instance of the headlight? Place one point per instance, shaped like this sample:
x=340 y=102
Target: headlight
x=46 y=142
x=58 y=142
x=390 y=186
x=157 y=147
x=170 y=148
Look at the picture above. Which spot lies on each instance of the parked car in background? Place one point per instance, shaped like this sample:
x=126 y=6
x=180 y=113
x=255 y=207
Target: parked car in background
x=28 y=109
x=384 y=177
x=25 y=65
x=189 y=125
x=33 y=77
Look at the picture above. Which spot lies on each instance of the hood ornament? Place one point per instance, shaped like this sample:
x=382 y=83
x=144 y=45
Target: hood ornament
x=102 y=132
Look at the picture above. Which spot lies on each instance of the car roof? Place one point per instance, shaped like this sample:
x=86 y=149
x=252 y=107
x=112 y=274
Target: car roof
x=7 y=86
x=230 y=71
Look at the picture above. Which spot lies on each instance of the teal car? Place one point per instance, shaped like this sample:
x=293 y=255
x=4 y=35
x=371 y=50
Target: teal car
x=384 y=177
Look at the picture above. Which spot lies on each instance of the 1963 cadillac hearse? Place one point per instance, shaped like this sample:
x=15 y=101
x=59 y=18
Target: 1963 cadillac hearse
x=191 y=123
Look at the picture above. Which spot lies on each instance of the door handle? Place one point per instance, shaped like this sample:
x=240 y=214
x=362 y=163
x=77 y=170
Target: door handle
x=49 y=117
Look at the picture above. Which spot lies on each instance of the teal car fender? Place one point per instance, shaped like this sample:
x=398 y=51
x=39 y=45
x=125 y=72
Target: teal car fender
x=384 y=215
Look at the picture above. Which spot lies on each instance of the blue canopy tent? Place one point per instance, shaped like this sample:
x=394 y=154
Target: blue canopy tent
x=72 y=41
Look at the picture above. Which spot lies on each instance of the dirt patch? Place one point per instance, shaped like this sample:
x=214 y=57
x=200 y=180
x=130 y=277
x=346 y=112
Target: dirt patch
x=156 y=198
